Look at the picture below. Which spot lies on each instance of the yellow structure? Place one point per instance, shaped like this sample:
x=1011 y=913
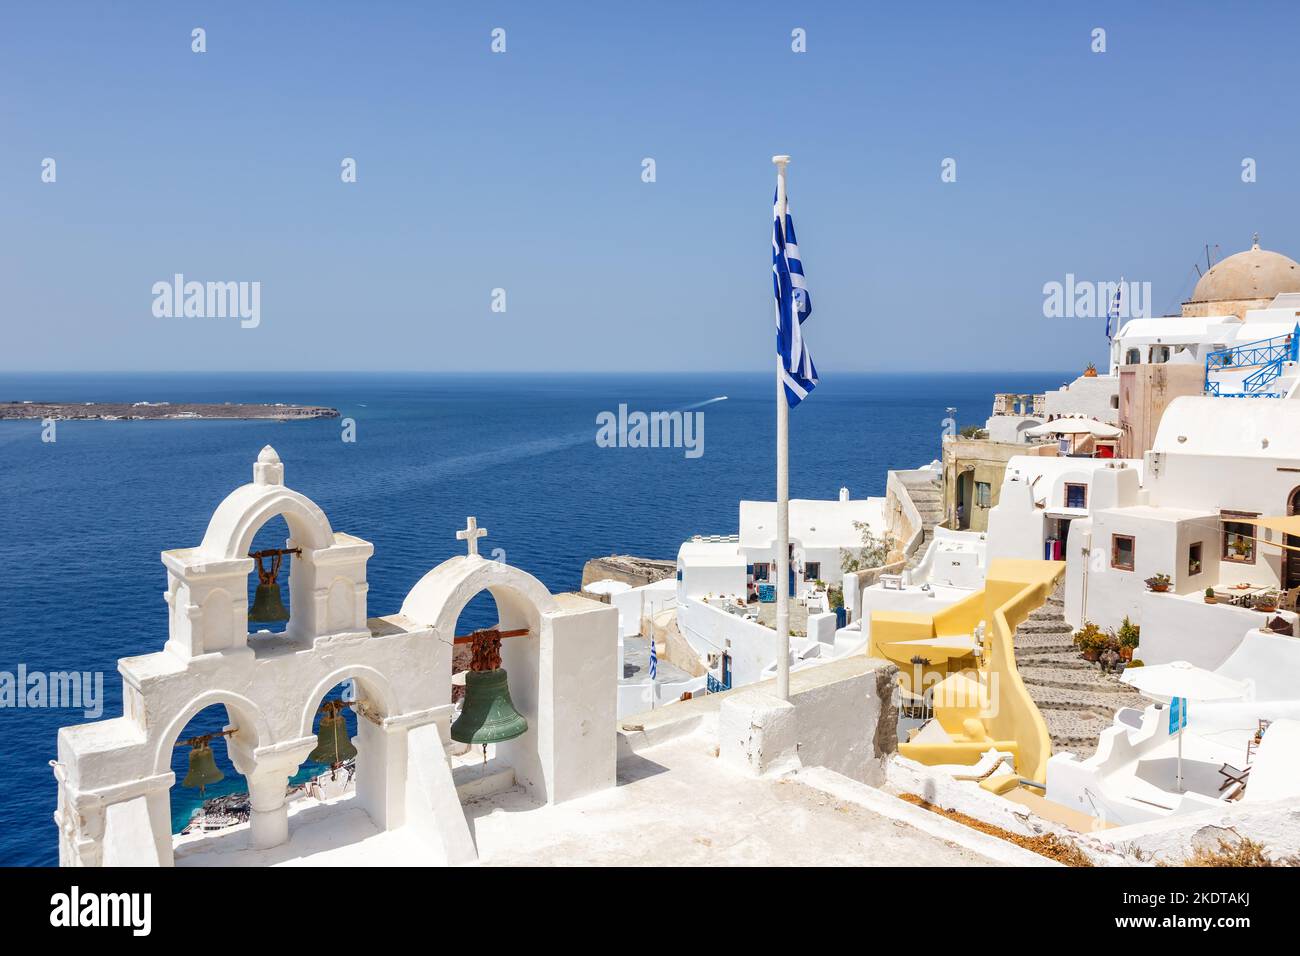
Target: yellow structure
x=979 y=700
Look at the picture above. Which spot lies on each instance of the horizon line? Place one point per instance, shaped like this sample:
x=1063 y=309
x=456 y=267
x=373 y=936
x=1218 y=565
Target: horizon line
x=509 y=371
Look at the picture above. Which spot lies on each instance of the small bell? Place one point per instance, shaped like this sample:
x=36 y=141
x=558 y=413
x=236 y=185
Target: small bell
x=267 y=606
x=333 y=745
x=203 y=766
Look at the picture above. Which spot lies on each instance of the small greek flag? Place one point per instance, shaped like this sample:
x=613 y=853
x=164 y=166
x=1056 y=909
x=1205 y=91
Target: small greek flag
x=654 y=659
x=1113 y=314
x=792 y=301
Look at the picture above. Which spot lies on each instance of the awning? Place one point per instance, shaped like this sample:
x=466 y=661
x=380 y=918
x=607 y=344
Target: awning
x=1287 y=524
x=1074 y=426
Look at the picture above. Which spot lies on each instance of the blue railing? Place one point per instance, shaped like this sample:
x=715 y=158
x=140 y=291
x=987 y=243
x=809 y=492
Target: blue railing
x=1267 y=356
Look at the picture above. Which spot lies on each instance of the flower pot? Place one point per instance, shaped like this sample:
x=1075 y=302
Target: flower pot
x=1160 y=588
x=1211 y=600
x=1091 y=655
x=1126 y=653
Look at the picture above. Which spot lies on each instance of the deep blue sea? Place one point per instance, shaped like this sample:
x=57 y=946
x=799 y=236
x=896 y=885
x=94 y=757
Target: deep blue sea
x=83 y=519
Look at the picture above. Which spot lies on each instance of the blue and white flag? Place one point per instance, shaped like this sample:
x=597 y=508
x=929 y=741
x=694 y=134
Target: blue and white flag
x=1113 y=313
x=793 y=306
x=654 y=659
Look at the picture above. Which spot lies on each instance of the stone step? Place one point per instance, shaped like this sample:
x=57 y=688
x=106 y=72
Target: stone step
x=1074 y=732
x=1044 y=627
x=1051 y=679
x=1101 y=702
x=1052 y=611
x=1046 y=614
x=1070 y=662
x=1044 y=642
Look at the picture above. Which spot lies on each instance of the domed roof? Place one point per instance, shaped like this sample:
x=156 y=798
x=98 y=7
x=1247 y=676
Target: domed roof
x=1254 y=274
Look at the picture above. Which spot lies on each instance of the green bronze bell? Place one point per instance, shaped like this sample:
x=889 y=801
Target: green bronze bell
x=203 y=767
x=333 y=745
x=267 y=605
x=488 y=716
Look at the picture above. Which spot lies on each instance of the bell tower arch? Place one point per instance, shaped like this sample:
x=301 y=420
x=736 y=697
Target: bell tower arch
x=207 y=591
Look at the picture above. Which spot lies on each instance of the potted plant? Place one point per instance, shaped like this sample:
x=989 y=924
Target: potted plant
x=1127 y=638
x=1266 y=602
x=1159 y=582
x=1209 y=596
x=1090 y=370
x=1090 y=641
x=835 y=594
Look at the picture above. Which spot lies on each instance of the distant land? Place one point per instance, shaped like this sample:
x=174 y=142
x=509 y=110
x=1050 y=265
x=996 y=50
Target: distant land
x=154 y=411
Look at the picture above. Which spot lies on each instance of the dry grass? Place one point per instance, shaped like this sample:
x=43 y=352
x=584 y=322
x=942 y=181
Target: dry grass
x=1244 y=852
x=1044 y=844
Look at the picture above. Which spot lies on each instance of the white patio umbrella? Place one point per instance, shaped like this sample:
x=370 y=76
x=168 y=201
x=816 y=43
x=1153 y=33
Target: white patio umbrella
x=1164 y=682
x=1074 y=426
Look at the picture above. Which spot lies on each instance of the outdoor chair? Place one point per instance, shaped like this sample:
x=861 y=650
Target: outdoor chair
x=1233 y=776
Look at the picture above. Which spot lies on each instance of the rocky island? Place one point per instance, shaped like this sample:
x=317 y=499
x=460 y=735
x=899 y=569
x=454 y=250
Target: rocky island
x=124 y=411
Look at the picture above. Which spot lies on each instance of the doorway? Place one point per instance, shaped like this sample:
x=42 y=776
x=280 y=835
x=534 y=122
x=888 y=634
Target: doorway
x=1292 y=558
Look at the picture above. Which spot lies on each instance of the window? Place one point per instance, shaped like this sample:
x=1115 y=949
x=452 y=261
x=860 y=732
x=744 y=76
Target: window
x=1133 y=357
x=1194 y=560
x=1122 y=548
x=812 y=570
x=1076 y=496
x=1238 y=537
x=762 y=570
x=983 y=494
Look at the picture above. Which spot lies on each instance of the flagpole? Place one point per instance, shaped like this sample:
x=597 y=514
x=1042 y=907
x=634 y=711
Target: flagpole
x=782 y=487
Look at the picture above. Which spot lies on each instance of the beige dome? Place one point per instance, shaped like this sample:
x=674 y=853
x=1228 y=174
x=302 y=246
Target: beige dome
x=1254 y=274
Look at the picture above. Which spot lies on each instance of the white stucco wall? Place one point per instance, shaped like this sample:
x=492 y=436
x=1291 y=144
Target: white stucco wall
x=709 y=630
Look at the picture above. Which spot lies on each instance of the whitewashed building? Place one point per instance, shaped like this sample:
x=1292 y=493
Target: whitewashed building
x=1041 y=497
x=821 y=532
x=1216 y=465
x=721 y=580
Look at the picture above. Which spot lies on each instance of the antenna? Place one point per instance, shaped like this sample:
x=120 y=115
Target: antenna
x=1208 y=263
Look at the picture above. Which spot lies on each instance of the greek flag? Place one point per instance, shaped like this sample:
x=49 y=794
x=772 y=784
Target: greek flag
x=654 y=659
x=1112 y=315
x=792 y=299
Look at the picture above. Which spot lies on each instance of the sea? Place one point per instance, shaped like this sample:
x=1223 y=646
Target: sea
x=83 y=518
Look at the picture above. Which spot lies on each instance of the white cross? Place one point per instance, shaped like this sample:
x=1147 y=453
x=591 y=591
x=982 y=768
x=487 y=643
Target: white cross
x=471 y=534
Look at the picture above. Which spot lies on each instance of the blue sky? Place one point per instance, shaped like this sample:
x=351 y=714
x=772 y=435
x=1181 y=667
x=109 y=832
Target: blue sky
x=522 y=171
